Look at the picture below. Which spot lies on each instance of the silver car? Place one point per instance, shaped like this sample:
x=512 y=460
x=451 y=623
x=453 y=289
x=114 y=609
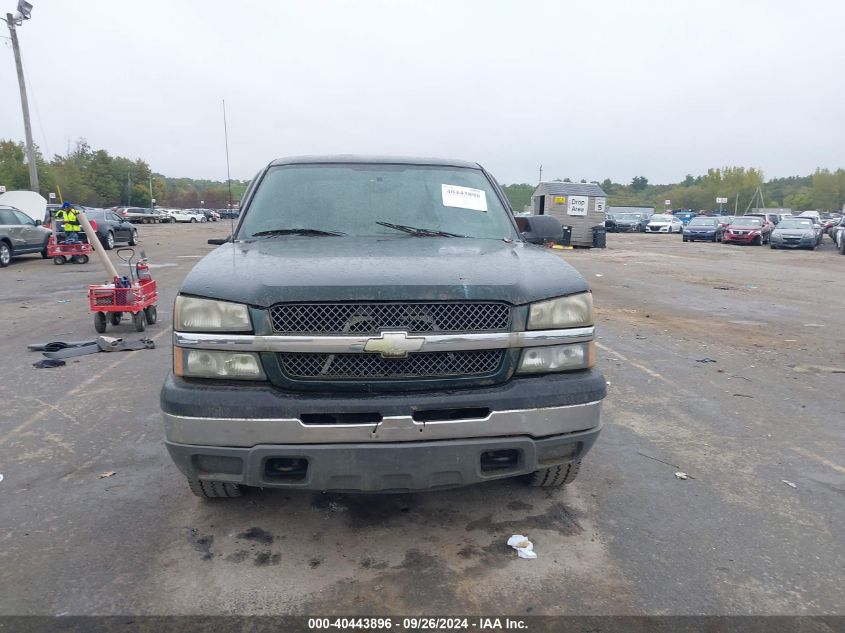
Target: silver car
x=795 y=233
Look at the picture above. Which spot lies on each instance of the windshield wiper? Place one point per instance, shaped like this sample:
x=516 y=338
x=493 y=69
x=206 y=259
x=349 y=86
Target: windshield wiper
x=418 y=232
x=304 y=232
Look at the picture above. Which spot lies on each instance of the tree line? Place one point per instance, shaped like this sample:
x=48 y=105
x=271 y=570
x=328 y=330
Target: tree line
x=823 y=190
x=95 y=178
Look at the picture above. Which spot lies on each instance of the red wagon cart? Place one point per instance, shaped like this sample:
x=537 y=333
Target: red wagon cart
x=135 y=295
x=62 y=252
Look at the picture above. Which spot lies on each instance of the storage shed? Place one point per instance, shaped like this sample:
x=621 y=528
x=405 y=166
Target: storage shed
x=579 y=205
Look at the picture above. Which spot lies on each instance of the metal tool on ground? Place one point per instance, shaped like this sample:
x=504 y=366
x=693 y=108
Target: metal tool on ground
x=136 y=294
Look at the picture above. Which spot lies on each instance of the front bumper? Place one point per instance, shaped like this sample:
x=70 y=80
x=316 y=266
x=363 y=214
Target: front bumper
x=740 y=239
x=699 y=236
x=395 y=467
x=401 y=441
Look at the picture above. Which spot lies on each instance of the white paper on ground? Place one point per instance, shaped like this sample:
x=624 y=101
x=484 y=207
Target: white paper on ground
x=464 y=197
x=524 y=548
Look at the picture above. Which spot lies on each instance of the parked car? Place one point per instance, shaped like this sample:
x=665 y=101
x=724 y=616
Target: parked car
x=748 y=230
x=371 y=401
x=795 y=233
x=630 y=222
x=187 y=215
x=210 y=214
x=772 y=218
x=163 y=215
x=703 y=228
x=684 y=216
x=112 y=229
x=141 y=215
x=20 y=234
x=610 y=223
x=664 y=223
x=229 y=213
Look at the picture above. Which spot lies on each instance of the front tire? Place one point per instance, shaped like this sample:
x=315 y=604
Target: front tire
x=214 y=489
x=59 y=260
x=140 y=321
x=555 y=476
x=100 y=322
x=193 y=220
x=115 y=317
x=5 y=254
x=151 y=313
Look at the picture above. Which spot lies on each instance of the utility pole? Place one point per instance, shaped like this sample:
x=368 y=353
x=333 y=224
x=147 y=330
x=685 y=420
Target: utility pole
x=228 y=175
x=13 y=20
x=541 y=174
x=152 y=200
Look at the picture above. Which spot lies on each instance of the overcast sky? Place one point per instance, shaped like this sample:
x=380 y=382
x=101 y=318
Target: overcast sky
x=589 y=89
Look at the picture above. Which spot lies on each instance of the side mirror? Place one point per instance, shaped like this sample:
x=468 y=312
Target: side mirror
x=38 y=223
x=217 y=241
x=539 y=229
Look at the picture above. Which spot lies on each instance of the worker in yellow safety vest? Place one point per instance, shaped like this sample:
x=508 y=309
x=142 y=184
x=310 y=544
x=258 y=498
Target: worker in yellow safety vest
x=72 y=230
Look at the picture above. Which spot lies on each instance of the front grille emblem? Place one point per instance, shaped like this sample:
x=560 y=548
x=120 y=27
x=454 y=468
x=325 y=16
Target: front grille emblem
x=394 y=344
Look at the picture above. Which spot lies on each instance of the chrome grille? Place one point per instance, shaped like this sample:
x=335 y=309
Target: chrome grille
x=373 y=366
x=372 y=318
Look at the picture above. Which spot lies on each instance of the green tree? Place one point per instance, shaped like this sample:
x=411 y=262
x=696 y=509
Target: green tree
x=639 y=183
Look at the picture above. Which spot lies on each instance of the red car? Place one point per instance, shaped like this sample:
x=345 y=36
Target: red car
x=748 y=230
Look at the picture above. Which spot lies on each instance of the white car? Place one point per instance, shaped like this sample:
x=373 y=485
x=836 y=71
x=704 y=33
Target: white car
x=664 y=223
x=186 y=215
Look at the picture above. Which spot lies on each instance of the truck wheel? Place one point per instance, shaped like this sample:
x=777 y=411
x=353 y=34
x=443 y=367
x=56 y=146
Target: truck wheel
x=140 y=321
x=100 y=322
x=214 y=489
x=559 y=475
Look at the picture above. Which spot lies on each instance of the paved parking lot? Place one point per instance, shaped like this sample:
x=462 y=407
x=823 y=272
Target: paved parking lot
x=723 y=362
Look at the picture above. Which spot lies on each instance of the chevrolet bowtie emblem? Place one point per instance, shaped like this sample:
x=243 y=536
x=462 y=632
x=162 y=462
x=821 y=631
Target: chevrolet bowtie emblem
x=394 y=344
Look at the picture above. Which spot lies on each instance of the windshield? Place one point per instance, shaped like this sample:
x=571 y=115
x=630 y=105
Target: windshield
x=747 y=222
x=366 y=200
x=795 y=224
x=628 y=217
x=703 y=222
x=661 y=218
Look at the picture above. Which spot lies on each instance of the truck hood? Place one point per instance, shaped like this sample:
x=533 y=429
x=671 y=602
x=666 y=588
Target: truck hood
x=268 y=271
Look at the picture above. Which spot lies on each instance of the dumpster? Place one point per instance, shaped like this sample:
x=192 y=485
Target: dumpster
x=599 y=237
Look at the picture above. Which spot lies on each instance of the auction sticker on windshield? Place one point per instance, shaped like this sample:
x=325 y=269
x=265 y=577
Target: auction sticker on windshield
x=464 y=197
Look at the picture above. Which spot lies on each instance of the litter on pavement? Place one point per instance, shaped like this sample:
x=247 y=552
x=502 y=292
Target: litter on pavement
x=682 y=475
x=524 y=548
x=109 y=473
x=48 y=362
x=789 y=483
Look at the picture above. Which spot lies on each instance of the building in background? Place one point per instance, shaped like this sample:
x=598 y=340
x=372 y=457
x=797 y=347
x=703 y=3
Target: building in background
x=577 y=205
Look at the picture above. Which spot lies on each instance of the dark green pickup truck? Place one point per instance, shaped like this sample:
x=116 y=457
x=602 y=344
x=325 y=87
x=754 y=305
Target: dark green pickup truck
x=380 y=324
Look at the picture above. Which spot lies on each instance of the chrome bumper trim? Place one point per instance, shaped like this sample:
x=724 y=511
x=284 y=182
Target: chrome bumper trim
x=356 y=344
x=246 y=432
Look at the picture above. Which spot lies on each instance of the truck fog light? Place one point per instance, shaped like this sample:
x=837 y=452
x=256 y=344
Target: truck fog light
x=538 y=360
x=200 y=363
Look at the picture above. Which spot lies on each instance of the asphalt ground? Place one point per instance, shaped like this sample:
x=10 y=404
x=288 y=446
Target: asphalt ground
x=724 y=362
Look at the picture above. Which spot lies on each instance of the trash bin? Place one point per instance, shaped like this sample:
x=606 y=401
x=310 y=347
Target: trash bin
x=599 y=237
x=566 y=239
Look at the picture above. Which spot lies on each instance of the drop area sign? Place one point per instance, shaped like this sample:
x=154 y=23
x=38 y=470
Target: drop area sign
x=578 y=205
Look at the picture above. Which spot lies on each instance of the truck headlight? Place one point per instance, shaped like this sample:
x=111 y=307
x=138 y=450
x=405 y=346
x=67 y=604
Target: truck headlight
x=201 y=363
x=192 y=314
x=572 y=311
x=541 y=360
